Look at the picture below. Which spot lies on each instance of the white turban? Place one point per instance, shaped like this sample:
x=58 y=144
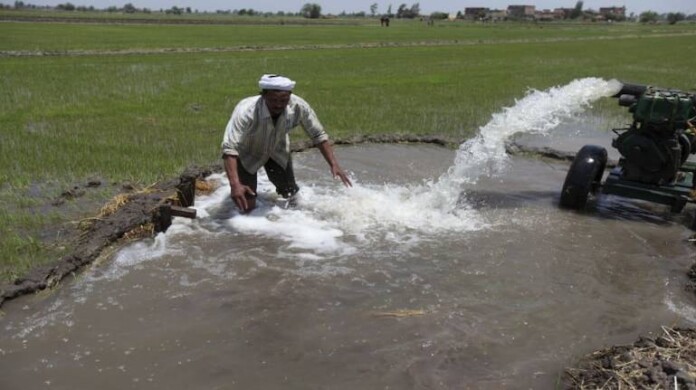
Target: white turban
x=276 y=82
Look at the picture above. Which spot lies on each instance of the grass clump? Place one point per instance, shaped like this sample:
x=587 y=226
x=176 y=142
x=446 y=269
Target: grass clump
x=659 y=362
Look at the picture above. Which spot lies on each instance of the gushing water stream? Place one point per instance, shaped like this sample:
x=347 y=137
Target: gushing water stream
x=425 y=274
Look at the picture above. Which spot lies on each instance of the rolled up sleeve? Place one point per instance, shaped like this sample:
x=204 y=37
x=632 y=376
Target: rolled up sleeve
x=236 y=126
x=312 y=126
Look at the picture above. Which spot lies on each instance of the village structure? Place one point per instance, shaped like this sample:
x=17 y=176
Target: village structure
x=529 y=12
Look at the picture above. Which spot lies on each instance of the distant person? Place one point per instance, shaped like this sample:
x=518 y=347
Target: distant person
x=257 y=136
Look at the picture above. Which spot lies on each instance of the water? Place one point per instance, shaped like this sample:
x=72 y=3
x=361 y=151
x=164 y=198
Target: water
x=426 y=274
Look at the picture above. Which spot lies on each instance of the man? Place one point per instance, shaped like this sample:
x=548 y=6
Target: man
x=257 y=135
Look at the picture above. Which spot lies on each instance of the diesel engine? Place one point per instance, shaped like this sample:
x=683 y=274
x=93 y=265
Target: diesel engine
x=661 y=137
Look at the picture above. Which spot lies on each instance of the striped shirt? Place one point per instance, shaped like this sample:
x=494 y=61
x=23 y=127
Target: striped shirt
x=251 y=134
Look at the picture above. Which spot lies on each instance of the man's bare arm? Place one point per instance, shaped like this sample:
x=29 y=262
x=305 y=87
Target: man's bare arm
x=327 y=152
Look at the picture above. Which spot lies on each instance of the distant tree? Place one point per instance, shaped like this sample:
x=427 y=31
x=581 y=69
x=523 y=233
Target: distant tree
x=439 y=15
x=19 y=4
x=175 y=11
x=373 y=9
x=408 y=13
x=113 y=8
x=389 y=11
x=401 y=11
x=649 y=17
x=415 y=10
x=129 y=8
x=577 y=11
x=673 y=17
x=66 y=7
x=311 y=10
x=188 y=10
x=244 y=11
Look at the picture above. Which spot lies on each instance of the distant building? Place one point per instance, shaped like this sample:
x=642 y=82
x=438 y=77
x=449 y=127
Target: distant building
x=563 y=13
x=546 y=15
x=616 y=12
x=521 y=11
x=474 y=13
x=496 y=15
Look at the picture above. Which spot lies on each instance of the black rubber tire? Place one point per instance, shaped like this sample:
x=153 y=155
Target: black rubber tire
x=685 y=144
x=584 y=176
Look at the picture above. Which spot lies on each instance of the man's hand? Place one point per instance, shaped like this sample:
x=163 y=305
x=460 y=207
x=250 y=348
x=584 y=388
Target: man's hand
x=327 y=151
x=239 y=197
x=336 y=171
x=242 y=195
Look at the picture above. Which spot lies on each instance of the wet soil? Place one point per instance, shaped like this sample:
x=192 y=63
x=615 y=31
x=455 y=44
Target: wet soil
x=139 y=213
x=654 y=361
x=136 y=211
x=666 y=360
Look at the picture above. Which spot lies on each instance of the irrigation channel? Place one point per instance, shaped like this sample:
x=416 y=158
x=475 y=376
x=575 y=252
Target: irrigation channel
x=439 y=269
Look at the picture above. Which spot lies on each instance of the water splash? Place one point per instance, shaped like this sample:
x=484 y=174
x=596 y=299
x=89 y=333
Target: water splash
x=334 y=221
x=537 y=113
x=331 y=216
x=435 y=206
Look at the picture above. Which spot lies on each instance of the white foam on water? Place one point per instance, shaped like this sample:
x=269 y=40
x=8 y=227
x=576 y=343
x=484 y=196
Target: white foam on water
x=141 y=251
x=391 y=212
x=302 y=229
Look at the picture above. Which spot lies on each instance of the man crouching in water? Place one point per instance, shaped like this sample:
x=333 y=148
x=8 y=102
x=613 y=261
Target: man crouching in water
x=257 y=136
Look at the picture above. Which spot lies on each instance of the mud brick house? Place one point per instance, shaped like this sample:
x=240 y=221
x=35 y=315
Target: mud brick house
x=619 y=12
x=473 y=13
x=521 y=11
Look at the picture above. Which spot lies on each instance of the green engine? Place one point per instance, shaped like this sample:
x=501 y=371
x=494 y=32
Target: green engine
x=661 y=136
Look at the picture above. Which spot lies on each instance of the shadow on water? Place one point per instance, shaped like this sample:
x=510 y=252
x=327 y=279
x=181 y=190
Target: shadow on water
x=512 y=199
x=605 y=207
x=617 y=208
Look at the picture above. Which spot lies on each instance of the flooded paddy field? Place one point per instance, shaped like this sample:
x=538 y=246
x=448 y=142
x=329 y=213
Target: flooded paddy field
x=439 y=269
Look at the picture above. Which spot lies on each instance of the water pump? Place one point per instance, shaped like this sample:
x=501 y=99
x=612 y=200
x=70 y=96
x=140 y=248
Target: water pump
x=655 y=148
x=662 y=134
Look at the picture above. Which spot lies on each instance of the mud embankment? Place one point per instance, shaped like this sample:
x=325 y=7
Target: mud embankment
x=138 y=213
x=132 y=214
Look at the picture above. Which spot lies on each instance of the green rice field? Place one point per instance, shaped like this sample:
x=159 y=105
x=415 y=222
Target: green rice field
x=140 y=102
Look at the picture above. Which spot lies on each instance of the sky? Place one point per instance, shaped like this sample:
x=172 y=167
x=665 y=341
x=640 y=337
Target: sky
x=337 y=6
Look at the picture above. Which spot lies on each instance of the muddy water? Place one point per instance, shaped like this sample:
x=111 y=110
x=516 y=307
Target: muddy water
x=426 y=274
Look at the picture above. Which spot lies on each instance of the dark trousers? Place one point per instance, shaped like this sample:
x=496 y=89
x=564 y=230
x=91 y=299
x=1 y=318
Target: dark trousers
x=282 y=178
